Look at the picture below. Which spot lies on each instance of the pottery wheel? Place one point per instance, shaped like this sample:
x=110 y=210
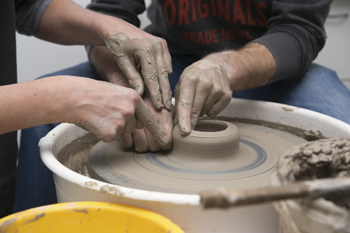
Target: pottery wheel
x=215 y=154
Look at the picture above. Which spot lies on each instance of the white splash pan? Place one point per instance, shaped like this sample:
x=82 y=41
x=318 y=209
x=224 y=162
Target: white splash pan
x=185 y=210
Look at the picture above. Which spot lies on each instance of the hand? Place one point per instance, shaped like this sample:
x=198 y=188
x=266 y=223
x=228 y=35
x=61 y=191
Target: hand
x=106 y=67
x=142 y=53
x=108 y=110
x=142 y=57
x=203 y=88
x=142 y=139
x=105 y=109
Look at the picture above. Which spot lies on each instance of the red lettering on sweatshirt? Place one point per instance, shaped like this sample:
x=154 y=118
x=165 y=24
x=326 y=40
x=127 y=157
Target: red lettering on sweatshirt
x=228 y=34
x=203 y=9
x=206 y=37
x=170 y=20
x=247 y=35
x=194 y=14
x=261 y=6
x=251 y=22
x=200 y=38
x=184 y=6
x=186 y=11
x=238 y=13
x=215 y=36
x=224 y=11
x=213 y=11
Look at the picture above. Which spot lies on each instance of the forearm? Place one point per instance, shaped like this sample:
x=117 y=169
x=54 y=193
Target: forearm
x=126 y=10
x=30 y=104
x=65 y=22
x=252 y=66
x=295 y=35
x=249 y=67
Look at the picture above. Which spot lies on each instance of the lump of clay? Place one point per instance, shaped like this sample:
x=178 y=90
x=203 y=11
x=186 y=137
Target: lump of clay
x=326 y=158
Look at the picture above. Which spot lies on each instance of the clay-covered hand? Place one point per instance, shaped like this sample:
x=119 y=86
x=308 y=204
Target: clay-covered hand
x=203 y=88
x=109 y=110
x=142 y=139
x=144 y=59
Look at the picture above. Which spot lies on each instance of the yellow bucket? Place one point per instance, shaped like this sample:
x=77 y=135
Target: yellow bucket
x=87 y=217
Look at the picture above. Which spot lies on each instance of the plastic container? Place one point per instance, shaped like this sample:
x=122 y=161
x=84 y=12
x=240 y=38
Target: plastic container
x=87 y=217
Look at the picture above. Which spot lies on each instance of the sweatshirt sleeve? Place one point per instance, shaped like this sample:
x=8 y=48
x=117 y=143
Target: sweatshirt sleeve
x=28 y=15
x=295 y=34
x=127 y=10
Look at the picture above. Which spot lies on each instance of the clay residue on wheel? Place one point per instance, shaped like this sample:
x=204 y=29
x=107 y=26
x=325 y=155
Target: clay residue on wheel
x=308 y=135
x=202 y=160
x=75 y=154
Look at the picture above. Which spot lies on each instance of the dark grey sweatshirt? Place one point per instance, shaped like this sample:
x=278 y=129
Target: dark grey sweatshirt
x=293 y=30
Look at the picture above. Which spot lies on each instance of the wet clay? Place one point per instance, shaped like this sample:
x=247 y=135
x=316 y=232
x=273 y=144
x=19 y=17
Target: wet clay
x=196 y=164
x=139 y=55
x=308 y=135
x=328 y=158
x=211 y=142
x=75 y=154
x=197 y=95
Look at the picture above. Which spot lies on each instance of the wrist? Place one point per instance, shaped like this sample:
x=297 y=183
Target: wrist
x=251 y=66
x=60 y=92
x=113 y=25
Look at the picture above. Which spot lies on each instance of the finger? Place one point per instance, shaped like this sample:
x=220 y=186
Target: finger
x=220 y=105
x=176 y=95
x=131 y=73
x=105 y=131
x=163 y=78
x=145 y=116
x=213 y=97
x=127 y=140
x=140 y=139
x=150 y=75
x=165 y=120
x=184 y=108
x=116 y=44
x=200 y=98
x=116 y=77
x=138 y=125
x=152 y=144
x=167 y=56
x=130 y=125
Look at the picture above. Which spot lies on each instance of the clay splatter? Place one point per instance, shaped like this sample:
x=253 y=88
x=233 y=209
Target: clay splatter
x=35 y=218
x=82 y=211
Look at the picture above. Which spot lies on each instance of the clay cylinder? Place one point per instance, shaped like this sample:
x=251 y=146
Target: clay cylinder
x=210 y=142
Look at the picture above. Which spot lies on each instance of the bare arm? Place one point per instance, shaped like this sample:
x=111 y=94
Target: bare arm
x=105 y=109
x=30 y=104
x=251 y=66
x=65 y=22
